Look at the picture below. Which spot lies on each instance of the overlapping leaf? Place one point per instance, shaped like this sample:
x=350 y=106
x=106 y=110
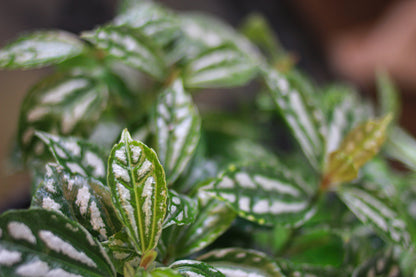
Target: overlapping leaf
x=65 y=104
x=129 y=46
x=181 y=210
x=242 y=262
x=177 y=128
x=76 y=156
x=139 y=192
x=383 y=264
x=304 y=120
x=80 y=198
x=372 y=207
x=401 y=146
x=40 y=49
x=191 y=268
x=360 y=145
x=266 y=195
x=38 y=242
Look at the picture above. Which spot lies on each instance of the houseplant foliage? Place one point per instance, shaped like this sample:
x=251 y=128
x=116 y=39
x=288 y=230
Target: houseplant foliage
x=184 y=192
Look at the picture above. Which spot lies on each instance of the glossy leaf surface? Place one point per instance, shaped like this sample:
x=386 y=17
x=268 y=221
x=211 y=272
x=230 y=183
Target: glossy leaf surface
x=181 y=210
x=191 y=268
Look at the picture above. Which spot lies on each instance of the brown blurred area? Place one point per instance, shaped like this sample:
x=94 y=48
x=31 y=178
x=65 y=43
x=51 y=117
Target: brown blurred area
x=335 y=40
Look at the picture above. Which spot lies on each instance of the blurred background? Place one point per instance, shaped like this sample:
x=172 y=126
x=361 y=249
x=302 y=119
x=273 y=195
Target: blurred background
x=331 y=40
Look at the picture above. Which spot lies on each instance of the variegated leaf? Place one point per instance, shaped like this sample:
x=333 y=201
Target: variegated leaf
x=40 y=48
x=224 y=66
x=76 y=156
x=360 y=145
x=139 y=192
x=266 y=195
x=242 y=262
x=130 y=46
x=191 y=268
x=213 y=220
x=383 y=264
x=401 y=146
x=181 y=210
x=303 y=119
x=68 y=104
x=38 y=242
x=307 y=270
x=373 y=207
x=80 y=198
x=177 y=128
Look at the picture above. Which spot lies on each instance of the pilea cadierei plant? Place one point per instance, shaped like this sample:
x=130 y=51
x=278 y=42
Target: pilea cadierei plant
x=220 y=194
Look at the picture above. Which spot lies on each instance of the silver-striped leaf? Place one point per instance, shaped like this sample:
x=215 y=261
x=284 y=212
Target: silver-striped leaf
x=181 y=210
x=40 y=48
x=191 y=268
x=129 y=46
x=302 y=118
x=401 y=146
x=67 y=104
x=263 y=194
x=76 y=155
x=224 y=66
x=178 y=127
x=139 y=193
x=242 y=262
x=307 y=270
x=39 y=242
x=80 y=198
x=373 y=207
x=382 y=264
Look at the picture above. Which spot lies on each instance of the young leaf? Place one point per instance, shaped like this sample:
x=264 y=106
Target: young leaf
x=360 y=145
x=165 y=272
x=76 y=156
x=129 y=46
x=44 y=243
x=181 y=210
x=241 y=262
x=139 y=192
x=224 y=66
x=302 y=119
x=67 y=104
x=372 y=207
x=40 y=49
x=388 y=95
x=196 y=268
x=177 y=128
x=401 y=146
x=81 y=199
x=265 y=195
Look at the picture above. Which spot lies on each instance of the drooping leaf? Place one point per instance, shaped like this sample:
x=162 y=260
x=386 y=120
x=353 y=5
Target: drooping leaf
x=373 y=207
x=38 y=242
x=360 y=145
x=68 y=104
x=177 y=128
x=80 y=198
x=76 y=156
x=191 y=268
x=242 y=262
x=304 y=120
x=40 y=48
x=130 y=46
x=139 y=192
x=224 y=66
x=388 y=95
x=266 y=195
x=382 y=264
x=401 y=146
x=181 y=210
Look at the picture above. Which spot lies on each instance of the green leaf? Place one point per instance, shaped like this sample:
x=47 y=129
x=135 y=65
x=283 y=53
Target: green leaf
x=181 y=210
x=388 y=95
x=165 y=272
x=224 y=66
x=372 y=207
x=76 y=156
x=213 y=220
x=130 y=46
x=360 y=145
x=69 y=103
x=45 y=243
x=242 y=262
x=40 y=48
x=139 y=192
x=306 y=270
x=401 y=146
x=81 y=199
x=382 y=264
x=266 y=195
x=191 y=268
x=303 y=119
x=177 y=128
